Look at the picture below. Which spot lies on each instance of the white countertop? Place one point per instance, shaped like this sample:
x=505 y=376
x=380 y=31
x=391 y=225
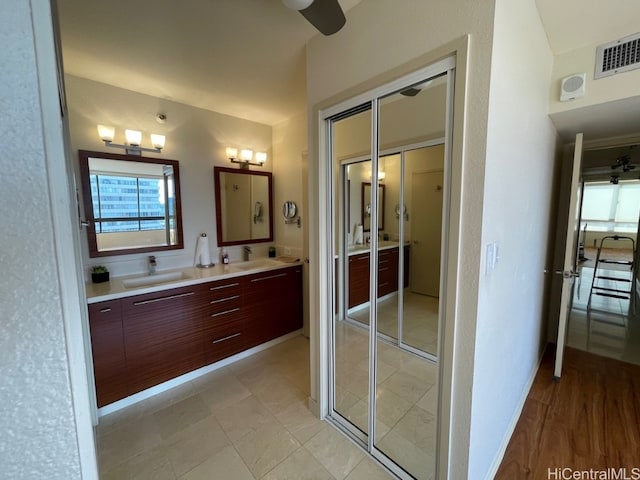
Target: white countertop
x=115 y=287
x=382 y=245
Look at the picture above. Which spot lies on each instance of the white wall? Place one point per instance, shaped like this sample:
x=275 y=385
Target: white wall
x=37 y=421
x=289 y=142
x=196 y=138
x=377 y=38
x=516 y=214
x=608 y=89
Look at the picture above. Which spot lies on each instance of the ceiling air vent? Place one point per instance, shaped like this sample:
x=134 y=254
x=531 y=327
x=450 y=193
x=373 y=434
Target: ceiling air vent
x=618 y=56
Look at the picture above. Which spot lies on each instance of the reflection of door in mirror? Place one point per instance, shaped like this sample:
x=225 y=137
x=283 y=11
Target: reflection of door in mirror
x=244 y=212
x=132 y=203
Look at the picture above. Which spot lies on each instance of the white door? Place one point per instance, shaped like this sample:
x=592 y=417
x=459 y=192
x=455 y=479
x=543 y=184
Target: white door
x=569 y=266
x=426 y=233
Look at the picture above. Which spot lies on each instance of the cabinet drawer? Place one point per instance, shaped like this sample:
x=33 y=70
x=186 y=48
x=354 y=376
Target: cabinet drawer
x=223 y=304
x=223 y=339
x=223 y=289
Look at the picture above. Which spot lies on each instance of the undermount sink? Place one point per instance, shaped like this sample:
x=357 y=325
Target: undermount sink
x=252 y=264
x=156 y=278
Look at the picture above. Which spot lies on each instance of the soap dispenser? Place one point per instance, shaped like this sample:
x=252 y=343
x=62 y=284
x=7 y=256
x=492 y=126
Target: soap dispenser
x=225 y=257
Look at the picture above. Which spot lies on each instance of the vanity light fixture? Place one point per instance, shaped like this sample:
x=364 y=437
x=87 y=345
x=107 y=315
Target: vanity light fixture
x=133 y=140
x=246 y=157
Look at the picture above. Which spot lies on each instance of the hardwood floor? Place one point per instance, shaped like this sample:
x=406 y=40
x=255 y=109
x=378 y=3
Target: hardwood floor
x=590 y=419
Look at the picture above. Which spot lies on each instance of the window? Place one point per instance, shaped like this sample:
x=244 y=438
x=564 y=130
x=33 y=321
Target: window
x=611 y=208
x=128 y=204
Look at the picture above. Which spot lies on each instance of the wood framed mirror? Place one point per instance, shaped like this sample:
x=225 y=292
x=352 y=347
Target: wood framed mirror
x=131 y=203
x=244 y=206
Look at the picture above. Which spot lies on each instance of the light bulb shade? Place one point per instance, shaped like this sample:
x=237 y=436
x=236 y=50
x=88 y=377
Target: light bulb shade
x=106 y=133
x=246 y=155
x=157 y=141
x=232 y=152
x=134 y=137
x=261 y=157
x=381 y=175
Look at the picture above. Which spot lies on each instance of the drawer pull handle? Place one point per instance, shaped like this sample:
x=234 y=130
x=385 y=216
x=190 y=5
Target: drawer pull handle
x=224 y=286
x=383 y=284
x=269 y=277
x=224 y=299
x=227 y=338
x=105 y=310
x=161 y=299
x=225 y=312
x=383 y=269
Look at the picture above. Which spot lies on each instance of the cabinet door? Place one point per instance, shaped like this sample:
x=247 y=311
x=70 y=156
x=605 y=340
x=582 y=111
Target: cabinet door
x=387 y=271
x=358 y=279
x=107 y=345
x=162 y=332
x=223 y=320
x=274 y=304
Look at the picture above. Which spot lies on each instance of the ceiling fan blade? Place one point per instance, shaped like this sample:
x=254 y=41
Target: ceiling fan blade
x=326 y=15
x=410 y=92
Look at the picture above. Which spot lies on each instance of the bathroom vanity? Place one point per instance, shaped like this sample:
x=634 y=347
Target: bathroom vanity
x=144 y=335
x=388 y=254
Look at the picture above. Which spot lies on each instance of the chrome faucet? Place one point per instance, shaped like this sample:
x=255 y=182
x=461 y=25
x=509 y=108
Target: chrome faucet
x=246 y=253
x=152 y=264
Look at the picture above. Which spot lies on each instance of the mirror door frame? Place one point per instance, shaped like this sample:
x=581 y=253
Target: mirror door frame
x=326 y=241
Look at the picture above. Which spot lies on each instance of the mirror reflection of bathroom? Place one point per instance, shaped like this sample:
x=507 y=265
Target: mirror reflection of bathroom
x=393 y=406
x=422 y=181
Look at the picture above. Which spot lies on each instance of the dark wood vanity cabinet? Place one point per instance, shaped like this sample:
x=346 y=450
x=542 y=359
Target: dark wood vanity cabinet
x=144 y=340
x=107 y=344
x=223 y=322
x=387 y=274
x=162 y=335
x=358 y=279
x=274 y=300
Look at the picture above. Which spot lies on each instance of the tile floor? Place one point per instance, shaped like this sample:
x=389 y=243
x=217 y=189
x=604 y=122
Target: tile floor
x=406 y=396
x=606 y=326
x=420 y=329
x=248 y=421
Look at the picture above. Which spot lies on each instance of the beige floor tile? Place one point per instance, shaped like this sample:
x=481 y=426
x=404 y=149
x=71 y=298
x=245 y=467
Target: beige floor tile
x=244 y=417
x=368 y=469
x=278 y=394
x=132 y=438
x=265 y=448
x=335 y=452
x=152 y=464
x=418 y=463
x=168 y=398
x=180 y=415
x=344 y=399
x=425 y=370
x=115 y=420
x=429 y=401
x=226 y=390
x=406 y=386
x=224 y=465
x=299 y=421
x=418 y=427
x=208 y=380
x=390 y=407
x=195 y=444
x=300 y=465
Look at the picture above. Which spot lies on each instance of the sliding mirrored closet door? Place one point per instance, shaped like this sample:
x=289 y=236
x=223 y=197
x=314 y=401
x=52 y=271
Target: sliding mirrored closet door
x=389 y=210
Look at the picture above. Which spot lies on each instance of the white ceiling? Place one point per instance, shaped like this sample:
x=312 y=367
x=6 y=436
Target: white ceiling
x=572 y=24
x=246 y=58
x=243 y=58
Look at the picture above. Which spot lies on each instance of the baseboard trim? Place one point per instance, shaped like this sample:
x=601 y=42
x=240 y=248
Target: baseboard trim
x=174 y=382
x=497 y=461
